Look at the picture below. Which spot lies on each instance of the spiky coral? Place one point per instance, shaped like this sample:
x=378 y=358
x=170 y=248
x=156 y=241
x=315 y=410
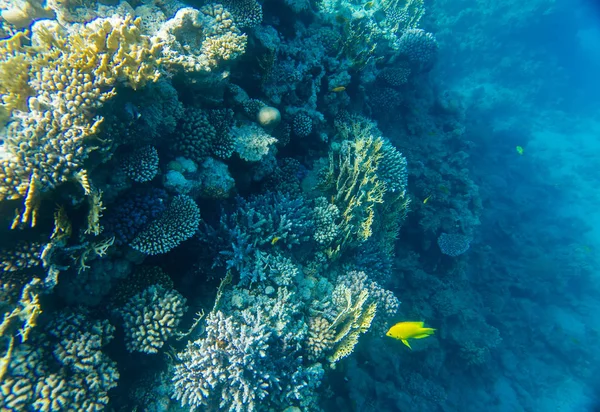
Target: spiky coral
x=353 y=182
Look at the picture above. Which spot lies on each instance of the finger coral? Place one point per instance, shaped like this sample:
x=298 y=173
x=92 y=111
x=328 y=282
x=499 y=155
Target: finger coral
x=151 y=317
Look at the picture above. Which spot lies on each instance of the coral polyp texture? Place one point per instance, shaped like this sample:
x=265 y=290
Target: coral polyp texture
x=453 y=244
x=236 y=158
x=177 y=223
x=151 y=317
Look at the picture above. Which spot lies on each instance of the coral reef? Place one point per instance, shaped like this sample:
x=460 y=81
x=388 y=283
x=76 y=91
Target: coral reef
x=66 y=370
x=151 y=317
x=282 y=122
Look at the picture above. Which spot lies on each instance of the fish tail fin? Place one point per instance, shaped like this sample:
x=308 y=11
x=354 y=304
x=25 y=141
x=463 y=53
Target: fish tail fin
x=423 y=333
x=406 y=343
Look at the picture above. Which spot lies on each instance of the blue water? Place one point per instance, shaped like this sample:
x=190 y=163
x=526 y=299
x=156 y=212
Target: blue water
x=527 y=75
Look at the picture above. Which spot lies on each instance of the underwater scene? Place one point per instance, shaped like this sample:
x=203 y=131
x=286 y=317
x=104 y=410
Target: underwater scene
x=300 y=205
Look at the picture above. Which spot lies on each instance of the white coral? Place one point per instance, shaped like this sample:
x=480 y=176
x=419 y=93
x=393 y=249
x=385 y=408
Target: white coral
x=251 y=142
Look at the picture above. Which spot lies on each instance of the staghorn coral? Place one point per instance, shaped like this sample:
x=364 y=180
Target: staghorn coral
x=272 y=219
x=249 y=360
x=151 y=317
x=176 y=224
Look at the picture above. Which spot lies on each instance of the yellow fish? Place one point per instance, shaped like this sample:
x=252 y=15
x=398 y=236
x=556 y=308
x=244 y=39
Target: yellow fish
x=338 y=89
x=409 y=330
x=274 y=240
x=520 y=150
x=426 y=200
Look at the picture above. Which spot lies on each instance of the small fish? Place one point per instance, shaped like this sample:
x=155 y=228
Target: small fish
x=444 y=189
x=426 y=200
x=338 y=89
x=132 y=111
x=520 y=150
x=340 y=19
x=274 y=240
x=368 y=5
x=409 y=330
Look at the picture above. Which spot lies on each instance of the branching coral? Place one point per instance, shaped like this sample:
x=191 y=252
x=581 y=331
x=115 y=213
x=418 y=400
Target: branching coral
x=151 y=317
x=353 y=182
x=70 y=72
x=67 y=369
x=232 y=348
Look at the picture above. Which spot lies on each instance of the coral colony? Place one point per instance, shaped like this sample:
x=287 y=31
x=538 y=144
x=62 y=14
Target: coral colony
x=204 y=190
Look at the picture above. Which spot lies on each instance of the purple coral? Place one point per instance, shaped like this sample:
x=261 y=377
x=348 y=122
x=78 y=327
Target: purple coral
x=454 y=244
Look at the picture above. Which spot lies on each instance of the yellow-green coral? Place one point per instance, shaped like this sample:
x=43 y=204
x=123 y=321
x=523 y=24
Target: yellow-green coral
x=353 y=181
x=353 y=319
x=14 y=69
x=70 y=73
